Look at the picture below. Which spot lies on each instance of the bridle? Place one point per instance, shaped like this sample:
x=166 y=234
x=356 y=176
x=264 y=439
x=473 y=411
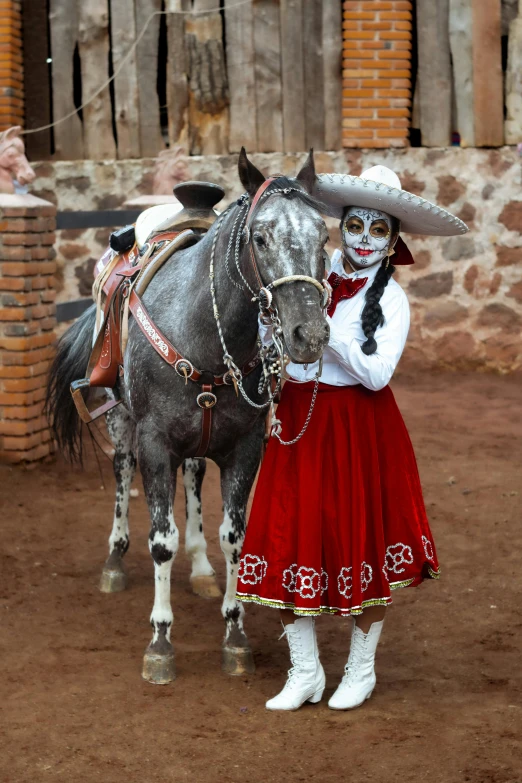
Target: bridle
x=273 y=360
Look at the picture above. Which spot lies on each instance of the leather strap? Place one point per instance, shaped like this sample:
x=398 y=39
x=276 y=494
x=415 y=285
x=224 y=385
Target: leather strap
x=84 y=413
x=169 y=354
x=266 y=184
x=206 y=425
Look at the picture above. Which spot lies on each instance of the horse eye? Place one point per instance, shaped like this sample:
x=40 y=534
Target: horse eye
x=258 y=239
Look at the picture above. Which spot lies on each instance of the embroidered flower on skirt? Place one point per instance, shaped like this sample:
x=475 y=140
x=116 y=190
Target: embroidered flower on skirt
x=397 y=555
x=366 y=576
x=428 y=548
x=252 y=569
x=307 y=582
x=345 y=582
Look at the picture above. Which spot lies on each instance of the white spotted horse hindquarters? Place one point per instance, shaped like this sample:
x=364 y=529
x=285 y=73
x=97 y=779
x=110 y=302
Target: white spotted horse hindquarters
x=122 y=432
x=202 y=578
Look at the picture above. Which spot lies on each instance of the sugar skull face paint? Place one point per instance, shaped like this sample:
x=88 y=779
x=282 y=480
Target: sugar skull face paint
x=367 y=234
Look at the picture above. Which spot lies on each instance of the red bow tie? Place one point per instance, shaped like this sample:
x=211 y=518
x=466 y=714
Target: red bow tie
x=343 y=288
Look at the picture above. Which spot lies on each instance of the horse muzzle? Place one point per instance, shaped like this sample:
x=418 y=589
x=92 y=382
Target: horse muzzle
x=306 y=342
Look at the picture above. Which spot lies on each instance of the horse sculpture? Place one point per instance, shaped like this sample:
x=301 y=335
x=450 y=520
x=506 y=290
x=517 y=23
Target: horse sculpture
x=205 y=307
x=13 y=163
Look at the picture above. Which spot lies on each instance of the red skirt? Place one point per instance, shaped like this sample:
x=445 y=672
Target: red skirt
x=338 y=520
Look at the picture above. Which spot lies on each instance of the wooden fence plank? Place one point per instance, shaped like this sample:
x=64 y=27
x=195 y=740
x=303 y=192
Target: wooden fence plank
x=241 y=76
x=208 y=85
x=314 y=74
x=94 y=56
x=123 y=33
x=177 y=79
x=36 y=78
x=487 y=74
x=434 y=72
x=293 y=81
x=151 y=140
x=461 y=32
x=332 y=60
x=513 y=124
x=68 y=135
x=267 y=47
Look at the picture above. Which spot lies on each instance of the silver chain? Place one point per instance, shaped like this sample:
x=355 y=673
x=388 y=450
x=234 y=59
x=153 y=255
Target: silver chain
x=233 y=369
x=276 y=426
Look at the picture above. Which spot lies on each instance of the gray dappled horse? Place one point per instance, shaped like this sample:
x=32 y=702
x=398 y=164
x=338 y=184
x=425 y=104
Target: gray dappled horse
x=159 y=420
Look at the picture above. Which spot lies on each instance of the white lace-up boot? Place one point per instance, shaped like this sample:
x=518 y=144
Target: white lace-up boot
x=359 y=673
x=306 y=678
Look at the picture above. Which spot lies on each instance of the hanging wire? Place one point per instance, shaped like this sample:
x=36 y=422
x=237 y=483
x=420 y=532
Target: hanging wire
x=127 y=57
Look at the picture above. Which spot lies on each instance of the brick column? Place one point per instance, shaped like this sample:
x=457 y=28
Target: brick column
x=376 y=72
x=27 y=323
x=11 y=67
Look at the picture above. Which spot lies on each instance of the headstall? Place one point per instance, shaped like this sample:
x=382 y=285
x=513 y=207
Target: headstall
x=273 y=356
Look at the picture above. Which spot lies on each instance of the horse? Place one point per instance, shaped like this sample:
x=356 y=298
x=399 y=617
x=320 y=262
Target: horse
x=205 y=307
x=13 y=163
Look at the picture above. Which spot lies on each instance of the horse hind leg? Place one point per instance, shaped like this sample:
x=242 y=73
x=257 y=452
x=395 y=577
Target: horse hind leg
x=121 y=430
x=202 y=578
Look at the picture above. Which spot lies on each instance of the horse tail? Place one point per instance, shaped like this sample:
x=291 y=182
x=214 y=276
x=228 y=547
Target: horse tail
x=70 y=364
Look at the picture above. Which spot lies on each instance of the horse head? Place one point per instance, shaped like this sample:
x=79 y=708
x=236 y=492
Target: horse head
x=287 y=238
x=13 y=163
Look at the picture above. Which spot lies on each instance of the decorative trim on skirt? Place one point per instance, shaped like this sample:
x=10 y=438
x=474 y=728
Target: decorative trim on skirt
x=338 y=520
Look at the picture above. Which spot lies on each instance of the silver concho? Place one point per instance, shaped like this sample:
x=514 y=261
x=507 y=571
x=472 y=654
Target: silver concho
x=184 y=368
x=206 y=400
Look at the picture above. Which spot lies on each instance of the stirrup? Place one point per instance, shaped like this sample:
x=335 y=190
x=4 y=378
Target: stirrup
x=84 y=413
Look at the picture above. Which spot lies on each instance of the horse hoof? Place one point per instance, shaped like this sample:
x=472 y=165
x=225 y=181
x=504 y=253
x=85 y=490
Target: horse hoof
x=205 y=586
x=158 y=669
x=238 y=661
x=113 y=580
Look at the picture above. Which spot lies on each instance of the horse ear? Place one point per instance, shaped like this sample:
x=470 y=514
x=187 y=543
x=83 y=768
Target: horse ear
x=251 y=178
x=306 y=176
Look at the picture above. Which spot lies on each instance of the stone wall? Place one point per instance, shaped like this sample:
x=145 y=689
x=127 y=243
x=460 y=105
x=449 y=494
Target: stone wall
x=27 y=322
x=465 y=292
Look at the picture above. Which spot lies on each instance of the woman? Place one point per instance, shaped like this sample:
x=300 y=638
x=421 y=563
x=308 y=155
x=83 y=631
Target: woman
x=338 y=520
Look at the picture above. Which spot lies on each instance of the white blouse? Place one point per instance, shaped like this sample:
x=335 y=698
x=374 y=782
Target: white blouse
x=344 y=364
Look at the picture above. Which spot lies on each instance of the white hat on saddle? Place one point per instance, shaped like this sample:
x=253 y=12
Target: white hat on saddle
x=380 y=188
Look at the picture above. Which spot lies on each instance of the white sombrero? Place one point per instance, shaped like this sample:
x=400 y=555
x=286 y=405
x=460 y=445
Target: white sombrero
x=380 y=188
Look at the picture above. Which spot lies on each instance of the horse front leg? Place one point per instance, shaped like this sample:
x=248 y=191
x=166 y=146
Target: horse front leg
x=202 y=578
x=122 y=433
x=159 y=475
x=237 y=476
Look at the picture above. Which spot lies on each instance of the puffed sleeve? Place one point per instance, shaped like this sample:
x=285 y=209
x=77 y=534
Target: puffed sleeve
x=376 y=370
x=265 y=332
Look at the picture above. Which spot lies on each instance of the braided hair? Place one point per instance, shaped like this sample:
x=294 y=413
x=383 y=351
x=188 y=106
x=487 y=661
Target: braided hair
x=372 y=316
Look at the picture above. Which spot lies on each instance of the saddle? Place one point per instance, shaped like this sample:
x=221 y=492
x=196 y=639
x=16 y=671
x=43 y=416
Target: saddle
x=134 y=256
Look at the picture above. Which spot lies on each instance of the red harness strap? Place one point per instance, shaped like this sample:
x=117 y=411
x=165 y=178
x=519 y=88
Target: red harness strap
x=255 y=201
x=169 y=354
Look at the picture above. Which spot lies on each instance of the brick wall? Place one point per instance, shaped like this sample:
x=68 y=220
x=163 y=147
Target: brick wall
x=11 y=69
x=27 y=323
x=376 y=73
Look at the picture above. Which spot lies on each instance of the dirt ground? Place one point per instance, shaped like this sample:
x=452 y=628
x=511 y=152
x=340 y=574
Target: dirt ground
x=447 y=706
